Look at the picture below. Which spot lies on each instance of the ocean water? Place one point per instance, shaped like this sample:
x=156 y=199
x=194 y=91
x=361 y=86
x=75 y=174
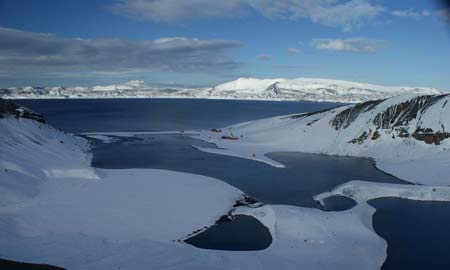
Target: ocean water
x=97 y=115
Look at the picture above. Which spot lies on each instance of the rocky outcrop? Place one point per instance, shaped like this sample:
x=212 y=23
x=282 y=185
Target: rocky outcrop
x=347 y=116
x=9 y=108
x=273 y=90
x=398 y=120
x=307 y=114
x=401 y=114
x=429 y=136
x=8 y=264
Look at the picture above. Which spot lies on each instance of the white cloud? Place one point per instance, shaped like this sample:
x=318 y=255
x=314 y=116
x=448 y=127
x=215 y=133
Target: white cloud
x=264 y=57
x=362 y=45
x=175 y=11
x=346 y=14
x=411 y=13
x=293 y=50
x=28 y=51
x=444 y=14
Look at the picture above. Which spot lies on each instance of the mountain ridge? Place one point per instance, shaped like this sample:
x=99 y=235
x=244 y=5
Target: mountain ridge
x=279 y=89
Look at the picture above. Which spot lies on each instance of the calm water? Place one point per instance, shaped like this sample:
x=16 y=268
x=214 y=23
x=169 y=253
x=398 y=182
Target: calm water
x=305 y=175
x=243 y=233
x=416 y=231
x=96 y=115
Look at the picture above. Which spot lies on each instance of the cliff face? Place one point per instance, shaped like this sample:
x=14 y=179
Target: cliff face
x=402 y=119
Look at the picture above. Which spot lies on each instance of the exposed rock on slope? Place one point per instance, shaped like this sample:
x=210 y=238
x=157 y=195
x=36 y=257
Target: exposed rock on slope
x=8 y=108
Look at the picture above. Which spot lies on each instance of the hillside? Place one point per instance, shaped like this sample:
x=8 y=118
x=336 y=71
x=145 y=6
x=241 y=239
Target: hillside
x=408 y=136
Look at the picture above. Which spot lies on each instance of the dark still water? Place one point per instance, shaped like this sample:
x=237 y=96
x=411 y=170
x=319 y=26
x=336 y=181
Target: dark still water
x=97 y=115
x=417 y=233
x=243 y=233
x=305 y=175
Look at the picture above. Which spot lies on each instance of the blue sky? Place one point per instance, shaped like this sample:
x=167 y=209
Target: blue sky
x=206 y=42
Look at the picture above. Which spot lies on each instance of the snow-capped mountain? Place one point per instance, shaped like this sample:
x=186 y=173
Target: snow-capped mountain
x=311 y=89
x=408 y=136
x=307 y=89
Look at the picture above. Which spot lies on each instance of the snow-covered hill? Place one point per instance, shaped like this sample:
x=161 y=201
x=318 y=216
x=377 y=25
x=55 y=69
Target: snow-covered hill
x=311 y=89
x=307 y=89
x=407 y=135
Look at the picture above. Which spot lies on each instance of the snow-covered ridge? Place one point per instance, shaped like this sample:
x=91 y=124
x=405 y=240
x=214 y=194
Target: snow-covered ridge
x=32 y=151
x=408 y=136
x=312 y=89
x=307 y=89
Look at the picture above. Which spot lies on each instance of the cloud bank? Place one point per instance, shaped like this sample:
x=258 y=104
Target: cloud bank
x=293 y=50
x=343 y=14
x=360 y=45
x=411 y=13
x=444 y=14
x=28 y=51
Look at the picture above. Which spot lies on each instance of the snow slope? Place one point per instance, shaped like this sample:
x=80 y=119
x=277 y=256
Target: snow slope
x=308 y=89
x=408 y=136
x=47 y=177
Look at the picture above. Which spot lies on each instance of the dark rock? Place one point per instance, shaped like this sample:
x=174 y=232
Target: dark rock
x=9 y=108
x=401 y=114
x=14 y=265
x=248 y=201
x=402 y=132
x=431 y=138
x=347 y=116
x=273 y=89
x=229 y=138
x=361 y=138
x=303 y=115
x=375 y=135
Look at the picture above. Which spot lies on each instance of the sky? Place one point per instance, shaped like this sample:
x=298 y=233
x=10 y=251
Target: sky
x=207 y=42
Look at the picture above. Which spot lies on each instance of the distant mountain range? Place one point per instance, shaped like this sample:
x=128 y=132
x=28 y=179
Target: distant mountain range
x=306 y=89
